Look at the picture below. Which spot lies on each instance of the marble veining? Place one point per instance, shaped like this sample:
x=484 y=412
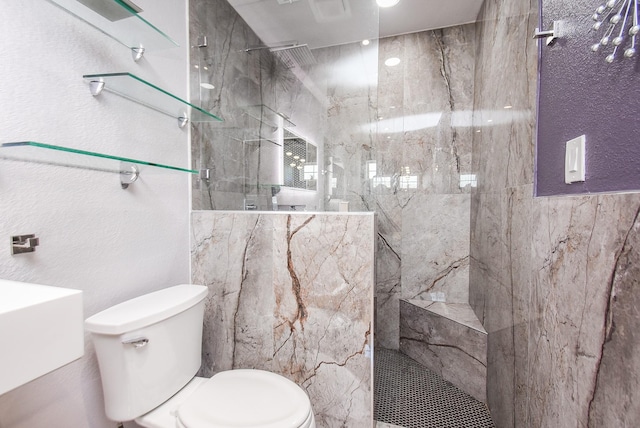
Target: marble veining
x=293 y=294
x=423 y=241
x=249 y=86
x=412 y=123
x=452 y=349
x=436 y=247
x=552 y=279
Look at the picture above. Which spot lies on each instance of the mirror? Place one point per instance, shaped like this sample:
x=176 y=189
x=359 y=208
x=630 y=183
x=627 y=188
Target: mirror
x=300 y=162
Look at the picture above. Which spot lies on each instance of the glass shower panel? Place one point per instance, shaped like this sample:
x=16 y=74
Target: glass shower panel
x=266 y=78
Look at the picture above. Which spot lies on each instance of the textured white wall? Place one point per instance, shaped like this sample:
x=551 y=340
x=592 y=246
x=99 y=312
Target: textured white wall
x=111 y=243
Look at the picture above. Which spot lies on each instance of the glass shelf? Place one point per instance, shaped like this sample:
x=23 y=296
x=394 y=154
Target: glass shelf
x=31 y=151
x=256 y=124
x=139 y=90
x=120 y=21
x=267 y=116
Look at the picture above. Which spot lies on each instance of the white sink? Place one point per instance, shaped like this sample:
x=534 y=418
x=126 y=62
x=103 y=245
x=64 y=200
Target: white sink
x=41 y=329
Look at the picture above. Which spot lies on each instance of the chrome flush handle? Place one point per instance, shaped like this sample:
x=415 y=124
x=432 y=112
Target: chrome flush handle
x=137 y=342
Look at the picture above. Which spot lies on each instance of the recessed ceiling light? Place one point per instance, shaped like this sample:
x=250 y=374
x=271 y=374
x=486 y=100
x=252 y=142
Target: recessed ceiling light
x=387 y=3
x=365 y=42
x=207 y=85
x=392 y=62
x=508 y=107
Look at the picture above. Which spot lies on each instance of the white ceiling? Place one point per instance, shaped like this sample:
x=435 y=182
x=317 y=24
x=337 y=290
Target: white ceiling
x=321 y=23
x=410 y=16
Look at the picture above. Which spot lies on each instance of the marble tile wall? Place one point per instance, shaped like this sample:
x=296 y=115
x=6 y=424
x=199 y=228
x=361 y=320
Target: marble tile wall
x=219 y=146
x=455 y=350
x=421 y=147
x=292 y=294
x=552 y=279
x=243 y=152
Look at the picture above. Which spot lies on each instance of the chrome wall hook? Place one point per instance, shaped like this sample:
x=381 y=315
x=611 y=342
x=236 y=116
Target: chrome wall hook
x=21 y=244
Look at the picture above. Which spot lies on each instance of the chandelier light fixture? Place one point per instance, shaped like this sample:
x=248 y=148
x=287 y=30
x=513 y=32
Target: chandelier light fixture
x=619 y=18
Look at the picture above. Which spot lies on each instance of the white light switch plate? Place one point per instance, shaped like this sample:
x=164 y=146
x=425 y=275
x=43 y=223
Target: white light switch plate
x=574 y=160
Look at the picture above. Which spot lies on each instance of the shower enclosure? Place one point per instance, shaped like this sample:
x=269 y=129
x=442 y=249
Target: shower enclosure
x=276 y=93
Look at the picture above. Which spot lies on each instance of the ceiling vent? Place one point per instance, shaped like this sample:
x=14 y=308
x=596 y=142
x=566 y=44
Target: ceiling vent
x=330 y=10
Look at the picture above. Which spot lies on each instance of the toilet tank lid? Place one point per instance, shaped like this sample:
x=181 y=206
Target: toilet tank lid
x=146 y=310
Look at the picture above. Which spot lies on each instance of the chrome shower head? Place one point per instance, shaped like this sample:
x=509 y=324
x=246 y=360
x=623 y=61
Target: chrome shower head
x=290 y=54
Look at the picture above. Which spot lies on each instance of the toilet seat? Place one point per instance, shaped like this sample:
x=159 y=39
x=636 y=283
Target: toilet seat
x=234 y=399
x=247 y=398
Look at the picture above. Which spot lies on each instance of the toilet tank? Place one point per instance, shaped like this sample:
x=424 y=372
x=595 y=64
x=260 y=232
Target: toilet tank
x=148 y=348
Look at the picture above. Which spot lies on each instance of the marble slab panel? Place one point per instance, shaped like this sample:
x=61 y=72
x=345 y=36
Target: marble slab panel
x=505 y=95
x=224 y=64
x=388 y=268
x=438 y=99
x=424 y=109
x=507 y=285
x=248 y=85
x=435 y=247
x=451 y=349
x=502 y=227
x=616 y=400
x=293 y=294
x=580 y=257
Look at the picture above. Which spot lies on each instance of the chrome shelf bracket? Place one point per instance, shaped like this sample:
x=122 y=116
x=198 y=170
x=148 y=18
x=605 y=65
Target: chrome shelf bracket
x=205 y=174
x=96 y=87
x=182 y=120
x=129 y=173
x=137 y=53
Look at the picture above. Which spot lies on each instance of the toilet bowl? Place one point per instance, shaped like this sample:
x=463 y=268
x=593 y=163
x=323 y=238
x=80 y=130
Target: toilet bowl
x=148 y=351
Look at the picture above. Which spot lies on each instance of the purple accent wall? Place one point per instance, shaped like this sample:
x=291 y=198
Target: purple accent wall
x=580 y=94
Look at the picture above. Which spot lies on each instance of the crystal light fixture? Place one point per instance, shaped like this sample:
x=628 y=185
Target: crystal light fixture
x=620 y=18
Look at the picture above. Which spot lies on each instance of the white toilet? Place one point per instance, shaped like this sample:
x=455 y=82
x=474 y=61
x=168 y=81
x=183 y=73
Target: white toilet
x=149 y=349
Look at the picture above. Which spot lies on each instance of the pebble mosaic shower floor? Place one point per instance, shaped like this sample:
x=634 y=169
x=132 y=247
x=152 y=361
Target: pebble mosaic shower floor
x=411 y=396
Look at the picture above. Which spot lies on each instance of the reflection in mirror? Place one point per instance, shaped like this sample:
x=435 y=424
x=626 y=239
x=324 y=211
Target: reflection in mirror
x=300 y=163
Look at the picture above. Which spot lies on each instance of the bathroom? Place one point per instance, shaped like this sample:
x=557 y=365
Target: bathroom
x=548 y=276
